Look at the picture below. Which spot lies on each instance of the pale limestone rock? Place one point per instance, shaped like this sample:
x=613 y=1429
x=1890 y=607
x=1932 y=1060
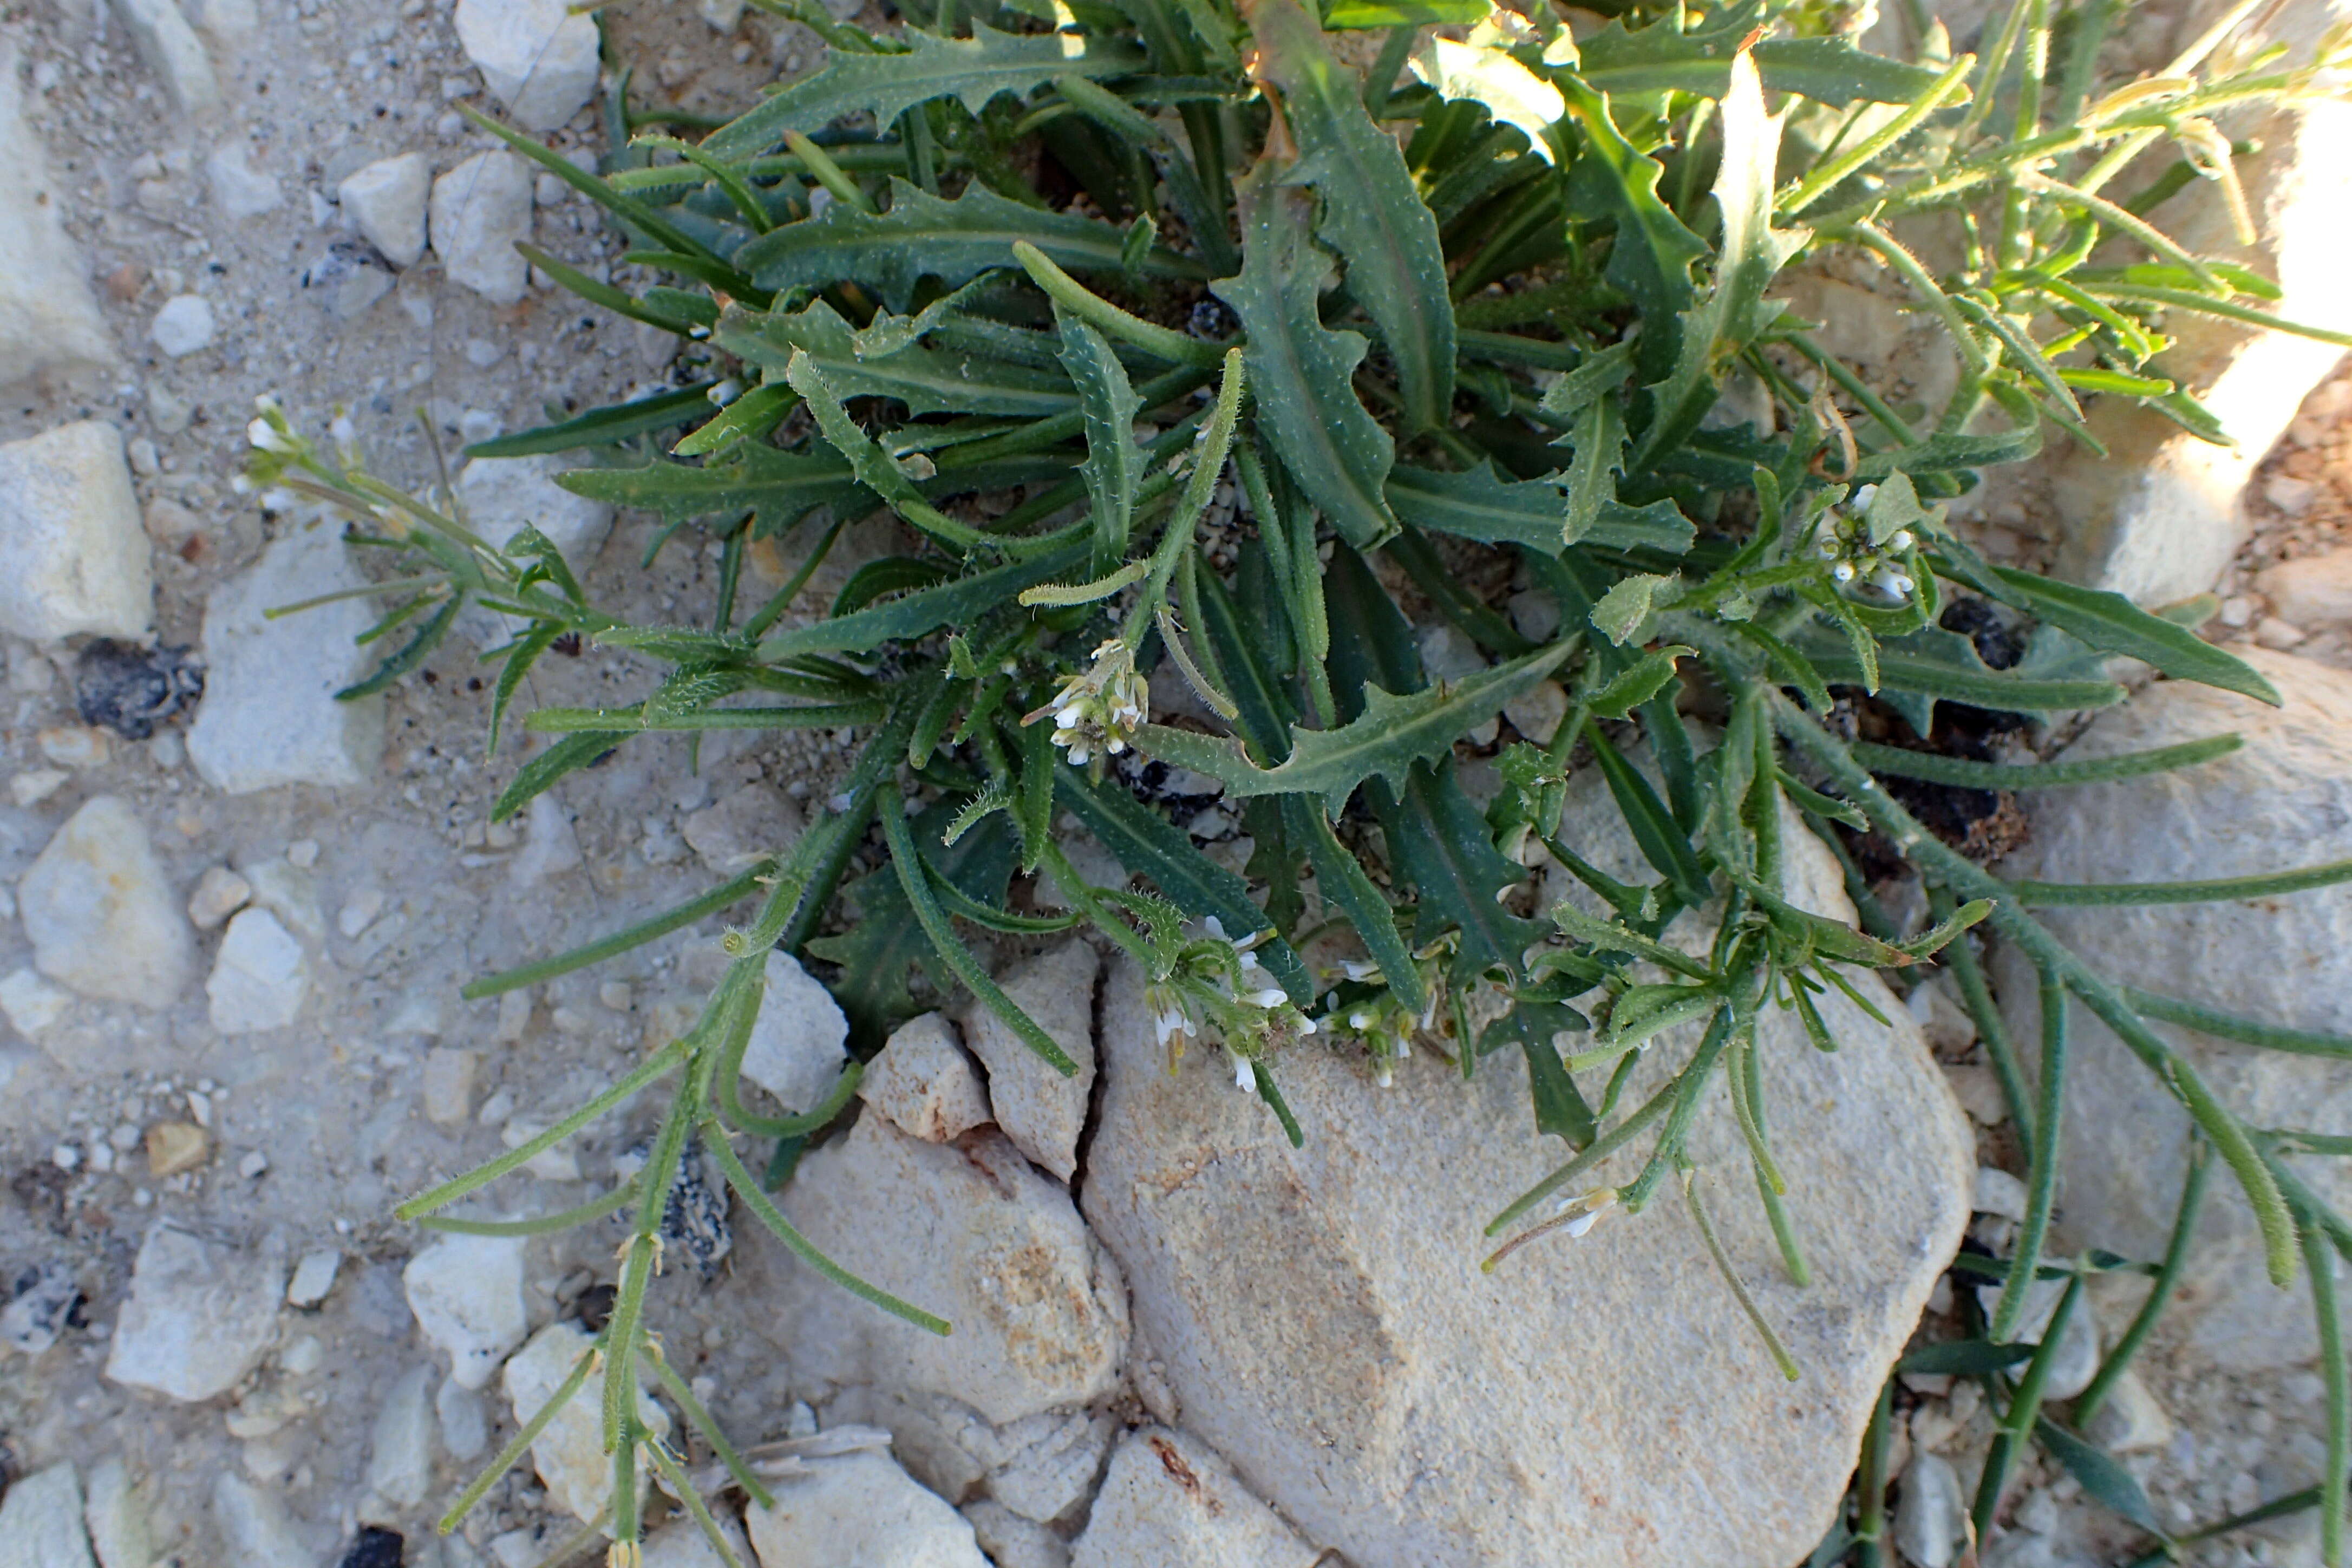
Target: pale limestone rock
x=199 y=1318
x=254 y=1525
x=1039 y=1108
x=116 y=1512
x=2282 y=801
x=49 y=317
x=2132 y=1420
x=102 y=918
x=501 y=496
x=400 y=1445
x=32 y=1004
x=269 y=716
x=1170 y=1499
x=683 y=1545
x=478 y=211
x=449 y=1085
x=1013 y=1542
x=218 y=894
x=539 y=57
x=386 y=200
x=859 y=1509
x=168 y=47
x=73 y=554
x=569 y=1453
x=185 y=324
x=742 y=829
x=550 y=847
x=314 y=1276
x=924 y=1083
x=259 y=977
x=968 y=1231
x=2312 y=591
x=1321 y=1317
x=239 y=190
x=801 y=1037
x=41 y=1521
x=466 y=1293
x=1931 y=1516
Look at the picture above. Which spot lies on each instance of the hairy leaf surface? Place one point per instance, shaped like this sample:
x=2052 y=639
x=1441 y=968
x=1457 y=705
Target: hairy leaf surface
x=1373 y=213
x=1393 y=732
x=971 y=70
x=953 y=240
x=1299 y=370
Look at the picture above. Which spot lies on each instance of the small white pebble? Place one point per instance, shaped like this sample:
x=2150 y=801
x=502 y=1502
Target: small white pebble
x=34 y=785
x=360 y=911
x=314 y=1276
x=2278 y=636
x=65 y=1157
x=303 y=853
x=253 y=1165
x=615 y=994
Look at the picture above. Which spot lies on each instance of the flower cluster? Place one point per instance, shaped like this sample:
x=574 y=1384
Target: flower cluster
x=1857 y=560
x=1381 y=1020
x=1219 y=992
x=1099 y=708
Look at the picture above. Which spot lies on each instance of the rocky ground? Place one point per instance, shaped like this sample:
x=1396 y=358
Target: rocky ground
x=235 y=919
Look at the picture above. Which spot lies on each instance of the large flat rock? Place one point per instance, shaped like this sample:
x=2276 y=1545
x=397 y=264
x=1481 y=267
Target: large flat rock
x=1597 y=1403
x=2282 y=801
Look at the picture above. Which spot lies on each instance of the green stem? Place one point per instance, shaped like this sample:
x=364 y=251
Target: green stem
x=1963 y=876
x=764 y=1209
x=620 y=941
x=507 y=1458
x=653 y=1067
x=2048 y=1118
x=2024 y=1405
x=1835 y=171
x=2321 y=1268
x=2167 y=1275
x=2135 y=895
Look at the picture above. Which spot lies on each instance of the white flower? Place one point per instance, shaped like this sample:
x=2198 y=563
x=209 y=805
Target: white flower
x=267 y=438
x=1245 y=1076
x=1586 y=1208
x=1099 y=708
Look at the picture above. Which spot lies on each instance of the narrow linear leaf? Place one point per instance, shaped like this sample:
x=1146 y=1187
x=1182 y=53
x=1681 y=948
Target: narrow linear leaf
x=603 y=426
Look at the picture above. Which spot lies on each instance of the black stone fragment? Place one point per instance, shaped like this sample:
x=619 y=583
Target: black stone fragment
x=130 y=690
x=373 y=1547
